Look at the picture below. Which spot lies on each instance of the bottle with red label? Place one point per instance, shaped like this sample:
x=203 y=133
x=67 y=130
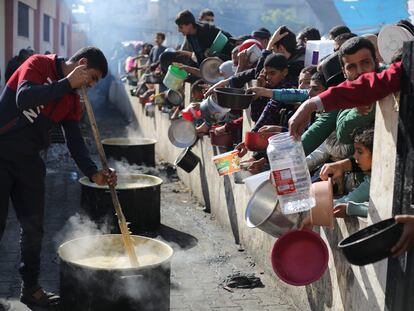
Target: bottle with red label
x=290 y=174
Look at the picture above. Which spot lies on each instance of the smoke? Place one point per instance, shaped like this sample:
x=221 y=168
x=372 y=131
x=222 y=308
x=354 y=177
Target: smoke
x=133 y=131
x=164 y=170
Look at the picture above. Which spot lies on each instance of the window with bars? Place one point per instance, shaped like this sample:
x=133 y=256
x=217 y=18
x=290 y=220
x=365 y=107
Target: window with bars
x=62 y=34
x=46 y=28
x=23 y=20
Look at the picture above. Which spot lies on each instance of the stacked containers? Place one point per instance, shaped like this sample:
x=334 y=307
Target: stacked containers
x=290 y=173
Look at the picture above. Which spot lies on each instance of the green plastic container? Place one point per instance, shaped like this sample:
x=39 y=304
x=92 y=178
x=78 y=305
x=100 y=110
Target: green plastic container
x=218 y=44
x=175 y=77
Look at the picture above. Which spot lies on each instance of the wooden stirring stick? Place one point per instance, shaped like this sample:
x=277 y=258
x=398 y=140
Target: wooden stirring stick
x=126 y=237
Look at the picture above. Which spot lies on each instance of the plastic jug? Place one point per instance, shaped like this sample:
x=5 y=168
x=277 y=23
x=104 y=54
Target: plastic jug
x=290 y=174
x=174 y=79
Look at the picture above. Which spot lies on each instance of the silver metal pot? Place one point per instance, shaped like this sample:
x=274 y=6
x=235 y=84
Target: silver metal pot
x=182 y=133
x=264 y=212
x=175 y=97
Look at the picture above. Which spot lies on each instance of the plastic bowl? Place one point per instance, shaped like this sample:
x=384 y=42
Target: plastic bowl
x=300 y=257
x=218 y=44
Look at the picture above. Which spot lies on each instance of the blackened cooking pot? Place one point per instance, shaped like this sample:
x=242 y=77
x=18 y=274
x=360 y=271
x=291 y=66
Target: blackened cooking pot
x=140 y=151
x=187 y=160
x=372 y=243
x=140 y=198
x=95 y=275
x=233 y=98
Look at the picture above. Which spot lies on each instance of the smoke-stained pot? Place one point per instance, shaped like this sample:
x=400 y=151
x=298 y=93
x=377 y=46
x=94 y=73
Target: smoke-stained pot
x=140 y=198
x=140 y=151
x=95 y=274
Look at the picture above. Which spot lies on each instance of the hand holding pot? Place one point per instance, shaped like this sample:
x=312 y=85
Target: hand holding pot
x=256 y=166
x=260 y=92
x=220 y=130
x=242 y=149
x=334 y=170
x=222 y=83
x=340 y=211
x=105 y=177
x=271 y=128
x=407 y=238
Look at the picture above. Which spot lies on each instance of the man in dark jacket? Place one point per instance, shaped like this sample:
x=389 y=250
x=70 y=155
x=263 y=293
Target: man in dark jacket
x=201 y=36
x=15 y=63
x=42 y=92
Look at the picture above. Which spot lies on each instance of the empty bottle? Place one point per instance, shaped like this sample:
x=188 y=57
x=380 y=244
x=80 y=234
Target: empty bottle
x=290 y=174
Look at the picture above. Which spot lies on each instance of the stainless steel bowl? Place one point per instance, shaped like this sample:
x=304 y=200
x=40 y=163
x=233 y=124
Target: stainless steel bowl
x=264 y=212
x=182 y=133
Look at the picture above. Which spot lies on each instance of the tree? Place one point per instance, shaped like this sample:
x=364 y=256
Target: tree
x=278 y=17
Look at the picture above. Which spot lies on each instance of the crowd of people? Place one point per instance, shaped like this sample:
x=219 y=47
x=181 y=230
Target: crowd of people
x=315 y=103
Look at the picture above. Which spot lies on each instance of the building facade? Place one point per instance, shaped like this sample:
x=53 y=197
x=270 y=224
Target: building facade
x=43 y=25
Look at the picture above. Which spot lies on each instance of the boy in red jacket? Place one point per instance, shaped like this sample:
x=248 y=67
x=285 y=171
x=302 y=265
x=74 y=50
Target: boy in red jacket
x=42 y=92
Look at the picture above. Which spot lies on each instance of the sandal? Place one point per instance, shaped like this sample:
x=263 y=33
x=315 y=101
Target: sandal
x=37 y=297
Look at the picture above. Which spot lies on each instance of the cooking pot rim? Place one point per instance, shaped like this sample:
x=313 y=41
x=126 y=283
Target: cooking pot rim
x=141 y=141
x=157 y=182
x=250 y=207
x=343 y=243
x=62 y=257
x=222 y=90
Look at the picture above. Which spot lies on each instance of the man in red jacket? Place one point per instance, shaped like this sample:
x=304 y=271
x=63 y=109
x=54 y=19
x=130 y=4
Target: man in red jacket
x=42 y=92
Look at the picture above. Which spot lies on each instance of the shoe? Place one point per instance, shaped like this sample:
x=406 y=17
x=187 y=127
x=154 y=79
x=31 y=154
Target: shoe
x=36 y=297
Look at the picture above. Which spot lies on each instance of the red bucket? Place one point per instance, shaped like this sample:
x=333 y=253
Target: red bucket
x=300 y=257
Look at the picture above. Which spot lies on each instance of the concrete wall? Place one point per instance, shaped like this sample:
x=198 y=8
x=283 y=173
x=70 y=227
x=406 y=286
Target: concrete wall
x=342 y=287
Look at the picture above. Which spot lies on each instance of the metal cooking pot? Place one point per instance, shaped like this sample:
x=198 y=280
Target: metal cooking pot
x=264 y=212
x=89 y=286
x=372 y=243
x=233 y=98
x=187 y=160
x=182 y=133
x=175 y=97
x=140 y=151
x=211 y=111
x=210 y=70
x=140 y=198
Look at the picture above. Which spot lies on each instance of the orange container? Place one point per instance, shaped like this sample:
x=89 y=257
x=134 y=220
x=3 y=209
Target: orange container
x=227 y=163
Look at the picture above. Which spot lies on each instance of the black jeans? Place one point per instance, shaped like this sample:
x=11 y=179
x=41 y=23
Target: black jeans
x=22 y=181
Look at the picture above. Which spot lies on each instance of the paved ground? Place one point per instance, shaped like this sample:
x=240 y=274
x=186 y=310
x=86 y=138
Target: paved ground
x=204 y=253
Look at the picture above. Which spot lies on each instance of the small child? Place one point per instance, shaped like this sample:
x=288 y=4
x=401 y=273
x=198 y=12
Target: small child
x=354 y=203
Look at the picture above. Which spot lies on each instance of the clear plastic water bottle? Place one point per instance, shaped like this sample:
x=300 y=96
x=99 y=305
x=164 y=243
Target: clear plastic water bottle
x=290 y=174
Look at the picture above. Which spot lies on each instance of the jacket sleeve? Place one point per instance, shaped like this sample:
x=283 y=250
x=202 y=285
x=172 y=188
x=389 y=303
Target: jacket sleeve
x=348 y=120
x=30 y=90
x=316 y=134
x=77 y=148
x=240 y=79
x=290 y=95
x=358 y=195
x=365 y=90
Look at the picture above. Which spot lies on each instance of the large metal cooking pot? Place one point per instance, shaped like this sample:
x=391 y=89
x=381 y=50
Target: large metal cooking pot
x=139 y=151
x=95 y=274
x=233 y=98
x=264 y=212
x=140 y=198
